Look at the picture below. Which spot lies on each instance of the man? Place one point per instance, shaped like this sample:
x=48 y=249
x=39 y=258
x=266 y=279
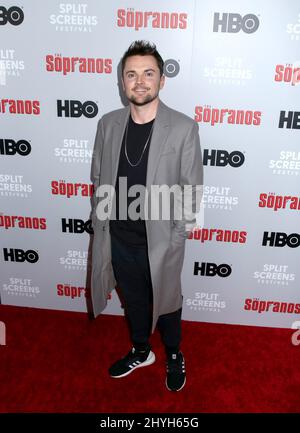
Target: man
x=146 y=143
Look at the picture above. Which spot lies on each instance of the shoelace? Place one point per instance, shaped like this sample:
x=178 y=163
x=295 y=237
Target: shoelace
x=176 y=365
x=133 y=354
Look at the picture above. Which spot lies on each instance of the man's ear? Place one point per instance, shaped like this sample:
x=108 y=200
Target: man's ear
x=162 y=81
x=123 y=86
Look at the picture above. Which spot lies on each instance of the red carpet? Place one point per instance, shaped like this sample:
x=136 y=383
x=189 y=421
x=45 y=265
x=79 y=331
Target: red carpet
x=57 y=362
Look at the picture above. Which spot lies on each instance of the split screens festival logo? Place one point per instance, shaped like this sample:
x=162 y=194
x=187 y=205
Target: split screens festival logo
x=274 y=275
x=13 y=185
x=76 y=260
x=287 y=164
x=293 y=29
x=228 y=71
x=10 y=65
x=73 y=17
x=204 y=301
x=74 y=150
x=21 y=287
x=219 y=197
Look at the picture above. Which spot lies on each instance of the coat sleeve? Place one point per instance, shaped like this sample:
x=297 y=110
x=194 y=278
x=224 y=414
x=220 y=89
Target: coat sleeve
x=191 y=182
x=96 y=164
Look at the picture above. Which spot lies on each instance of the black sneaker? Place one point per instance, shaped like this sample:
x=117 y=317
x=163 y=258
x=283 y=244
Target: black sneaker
x=176 y=378
x=131 y=361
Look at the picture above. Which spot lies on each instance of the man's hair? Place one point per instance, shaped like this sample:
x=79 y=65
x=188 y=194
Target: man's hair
x=143 y=48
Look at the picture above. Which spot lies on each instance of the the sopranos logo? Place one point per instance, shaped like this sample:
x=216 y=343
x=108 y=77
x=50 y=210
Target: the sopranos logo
x=19 y=106
x=73 y=17
x=214 y=116
x=275 y=201
x=70 y=189
x=156 y=20
x=287 y=74
x=72 y=291
x=82 y=65
x=218 y=235
x=261 y=306
x=22 y=222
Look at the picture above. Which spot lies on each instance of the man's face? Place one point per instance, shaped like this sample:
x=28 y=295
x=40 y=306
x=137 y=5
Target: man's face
x=141 y=79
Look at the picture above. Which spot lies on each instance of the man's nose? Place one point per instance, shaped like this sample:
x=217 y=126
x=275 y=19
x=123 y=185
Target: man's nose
x=140 y=79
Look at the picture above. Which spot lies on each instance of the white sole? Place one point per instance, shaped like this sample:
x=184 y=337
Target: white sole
x=150 y=360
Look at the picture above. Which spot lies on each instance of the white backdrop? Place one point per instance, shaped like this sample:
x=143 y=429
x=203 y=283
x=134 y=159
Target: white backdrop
x=234 y=67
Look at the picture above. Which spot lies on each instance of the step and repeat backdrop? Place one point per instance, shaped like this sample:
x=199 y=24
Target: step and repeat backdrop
x=232 y=66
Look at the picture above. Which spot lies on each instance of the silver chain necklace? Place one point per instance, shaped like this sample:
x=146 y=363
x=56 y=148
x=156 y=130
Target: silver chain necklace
x=137 y=163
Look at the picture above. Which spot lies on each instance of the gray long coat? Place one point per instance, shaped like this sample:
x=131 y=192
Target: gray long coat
x=174 y=158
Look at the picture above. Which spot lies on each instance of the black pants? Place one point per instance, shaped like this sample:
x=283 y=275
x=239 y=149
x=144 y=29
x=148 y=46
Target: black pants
x=132 y=272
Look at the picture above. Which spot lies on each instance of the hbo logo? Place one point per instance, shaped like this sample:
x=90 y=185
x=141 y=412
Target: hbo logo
x=221 y=158
x=281 y=239
x=77 y=226
x=11 y=147
x=211 y=269
x=13 y=15
x=76 y=109
x=233 y=23
x=18 y=255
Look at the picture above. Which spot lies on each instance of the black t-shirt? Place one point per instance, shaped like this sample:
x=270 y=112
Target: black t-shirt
x=132 y=232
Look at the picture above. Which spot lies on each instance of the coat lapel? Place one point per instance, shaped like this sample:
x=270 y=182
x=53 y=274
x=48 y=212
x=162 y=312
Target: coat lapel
x=117 y=138
x=159 y=137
